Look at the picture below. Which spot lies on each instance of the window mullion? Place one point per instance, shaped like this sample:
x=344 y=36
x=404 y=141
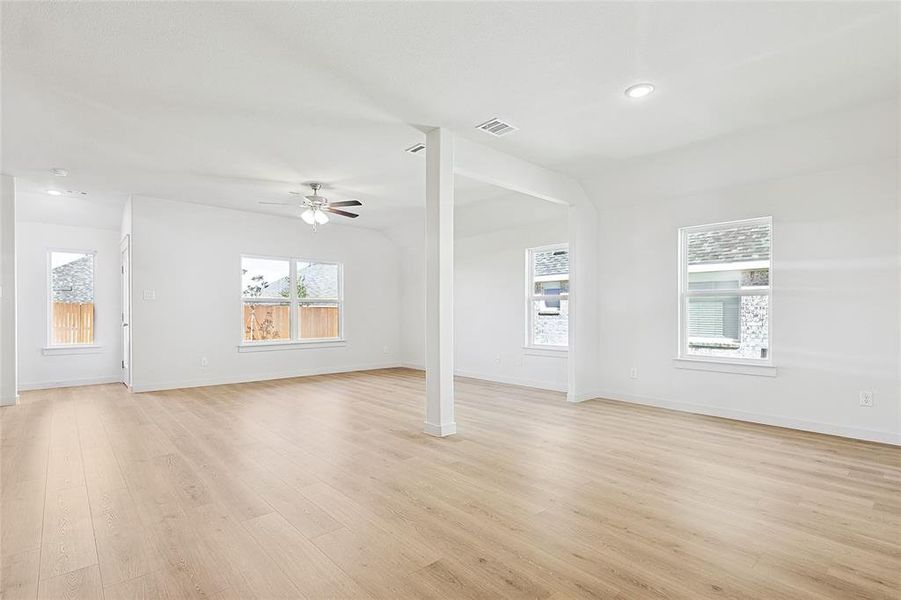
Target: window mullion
x=756 y=291
x=340 y=272
x=295 y=313
x=531 y=300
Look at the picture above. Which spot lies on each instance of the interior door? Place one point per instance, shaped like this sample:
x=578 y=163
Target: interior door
x=126 y=311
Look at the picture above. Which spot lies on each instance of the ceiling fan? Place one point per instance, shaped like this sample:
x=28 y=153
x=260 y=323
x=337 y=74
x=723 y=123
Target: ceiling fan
x=316 y=206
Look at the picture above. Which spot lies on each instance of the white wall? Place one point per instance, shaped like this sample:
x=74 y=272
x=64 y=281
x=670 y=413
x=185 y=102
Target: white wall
x=102 y=365
x=125 y=222
x=8 y=381
x=489 y=307
x=96 y=210
x=412 y=298
x=189 y=255
x=489 y=288
x=831 y=186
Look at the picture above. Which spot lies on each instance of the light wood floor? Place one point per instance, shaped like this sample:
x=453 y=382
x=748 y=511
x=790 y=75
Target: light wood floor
x=324 y=487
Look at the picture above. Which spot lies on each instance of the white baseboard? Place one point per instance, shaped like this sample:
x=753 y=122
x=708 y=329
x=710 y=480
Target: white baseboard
x=9 y=400
x=206 y=381
x=869 y=435
x=46 y=385
x=521 y=381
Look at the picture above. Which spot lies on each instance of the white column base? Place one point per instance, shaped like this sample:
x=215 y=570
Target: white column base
x=582 y=397
x=440 y=430
x=10 y=401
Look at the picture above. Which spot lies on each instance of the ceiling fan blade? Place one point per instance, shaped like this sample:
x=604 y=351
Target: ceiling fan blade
x=343 y=213
x=346 y=203
x=278 y=203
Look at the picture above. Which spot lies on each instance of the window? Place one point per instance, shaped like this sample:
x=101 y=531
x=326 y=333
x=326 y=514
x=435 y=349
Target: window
x=547 y=296
x=318 y=300
x=290 y=300
x=71 y=309
x=266 y=294
x=725 y=291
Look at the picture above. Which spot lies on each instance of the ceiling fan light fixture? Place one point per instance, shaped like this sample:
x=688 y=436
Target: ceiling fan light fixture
x=314 y=209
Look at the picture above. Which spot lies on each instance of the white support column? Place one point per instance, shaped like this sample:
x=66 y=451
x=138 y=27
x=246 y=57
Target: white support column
x=439 y=263
x=584 y=339
x=8 y=379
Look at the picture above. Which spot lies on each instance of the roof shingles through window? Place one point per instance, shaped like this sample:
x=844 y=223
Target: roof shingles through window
x=736 y=244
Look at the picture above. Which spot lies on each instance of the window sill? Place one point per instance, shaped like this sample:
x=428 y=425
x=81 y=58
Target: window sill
x=722 y=366
x=551 y=351
x=272 y=346
x=73 y=349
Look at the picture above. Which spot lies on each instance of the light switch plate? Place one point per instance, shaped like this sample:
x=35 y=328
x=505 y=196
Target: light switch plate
x=149 y=295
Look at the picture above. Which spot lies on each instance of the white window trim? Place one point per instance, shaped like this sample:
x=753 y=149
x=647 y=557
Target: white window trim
x=63 y=349
x=530 y=346
x=294 y=302
x=548 y=351
x=50 y=348
x=268 y=346
x=724 y=365
x=748 y=366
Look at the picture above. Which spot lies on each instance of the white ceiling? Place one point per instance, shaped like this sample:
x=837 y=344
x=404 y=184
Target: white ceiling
x=231 y=103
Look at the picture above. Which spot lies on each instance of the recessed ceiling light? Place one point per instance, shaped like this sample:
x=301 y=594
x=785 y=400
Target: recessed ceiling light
x=415 y=148
x=639 y=90
x=54 y=192
x=59 y=172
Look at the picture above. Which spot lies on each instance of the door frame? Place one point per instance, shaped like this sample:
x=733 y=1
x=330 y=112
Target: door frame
x=126 y=304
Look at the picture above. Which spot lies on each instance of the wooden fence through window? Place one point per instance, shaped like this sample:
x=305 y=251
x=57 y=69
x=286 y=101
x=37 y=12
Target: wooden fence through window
x=73 y=323
x=273 y=322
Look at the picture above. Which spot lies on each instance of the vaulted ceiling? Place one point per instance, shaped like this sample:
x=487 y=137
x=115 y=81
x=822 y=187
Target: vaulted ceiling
x=233 y=103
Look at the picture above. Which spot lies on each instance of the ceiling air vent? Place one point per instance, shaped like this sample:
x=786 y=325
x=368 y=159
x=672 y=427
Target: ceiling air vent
x=496 y=127
x=415 y=148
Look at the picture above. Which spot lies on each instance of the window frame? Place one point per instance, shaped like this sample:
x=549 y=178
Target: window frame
x=53 y=348
x=294 y=304
x=531 y=296
x=683 y=294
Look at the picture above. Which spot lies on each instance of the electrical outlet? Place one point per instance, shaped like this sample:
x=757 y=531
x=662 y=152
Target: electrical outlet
x=385 y=350
x=633 y=373
x=149 y=295
x=204 y=362
x=866 y=398
x=497 y=359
